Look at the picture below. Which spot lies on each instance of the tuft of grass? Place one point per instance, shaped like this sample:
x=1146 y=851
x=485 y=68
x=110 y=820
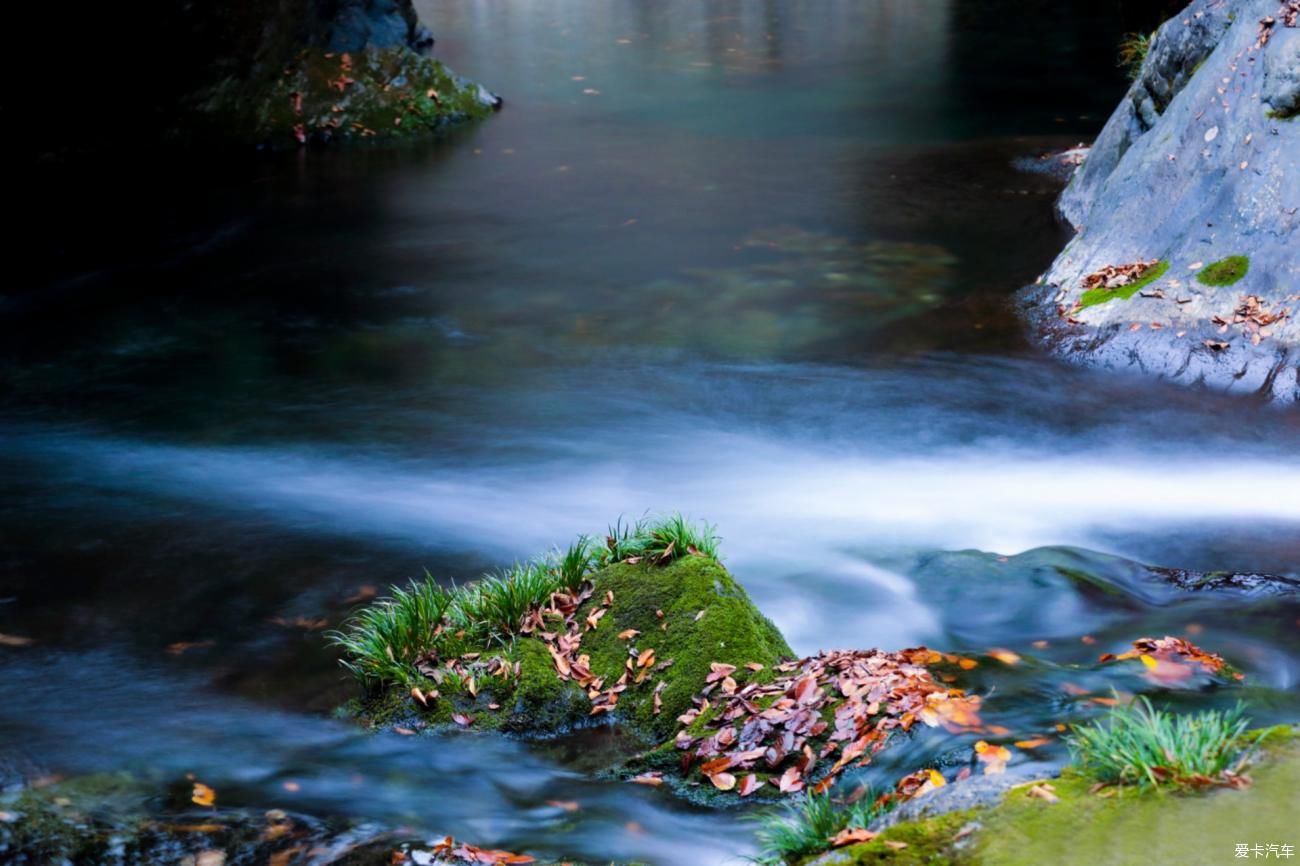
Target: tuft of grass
x=806 y=827
x=1224 y=272
x=383 y=641
x=1140 y=745
x=674 y=536
x=1133 y=51
x=661 y=540
x=495 y=606
x=1100 y=295
x=572 y=567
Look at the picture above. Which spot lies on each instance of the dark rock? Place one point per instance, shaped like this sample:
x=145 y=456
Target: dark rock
x=1196 y=165
x=355 y=25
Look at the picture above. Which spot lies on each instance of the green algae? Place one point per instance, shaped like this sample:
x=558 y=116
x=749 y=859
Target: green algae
x=1224 y=272
x=1099 y=295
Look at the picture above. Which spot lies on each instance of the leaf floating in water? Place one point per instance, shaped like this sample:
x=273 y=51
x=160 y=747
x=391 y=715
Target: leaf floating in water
x=203 y=795
x=565 y=805
x=994 y=758
x=1006 y=656
x=15 y=640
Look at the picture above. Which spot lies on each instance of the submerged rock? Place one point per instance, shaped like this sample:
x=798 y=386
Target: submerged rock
x=1197 y=170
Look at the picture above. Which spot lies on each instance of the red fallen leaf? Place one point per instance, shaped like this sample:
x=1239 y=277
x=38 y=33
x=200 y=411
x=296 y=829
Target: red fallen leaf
x=791 y=781
x=723 y=781
x=652 y=778
x=749 y=785
x=852 y=837
x=804 y=688
x=717 y=765
x=463 y=720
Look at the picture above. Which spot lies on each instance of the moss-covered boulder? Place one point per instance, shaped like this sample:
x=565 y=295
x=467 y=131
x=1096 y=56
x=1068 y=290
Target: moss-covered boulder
x=1069 y=822
x=645 y=634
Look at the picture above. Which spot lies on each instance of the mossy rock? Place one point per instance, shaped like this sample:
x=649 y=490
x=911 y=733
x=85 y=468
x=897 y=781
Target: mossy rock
x=321 y=96
x=691 y=612
x=1118 y=826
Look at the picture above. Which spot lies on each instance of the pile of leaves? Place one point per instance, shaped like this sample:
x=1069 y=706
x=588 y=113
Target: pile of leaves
x=450 y=851
x=565 y=642
x=1253 y=318
x=1114 y=277
x=1172 y=660
x=816 y=717
x=1289 y=15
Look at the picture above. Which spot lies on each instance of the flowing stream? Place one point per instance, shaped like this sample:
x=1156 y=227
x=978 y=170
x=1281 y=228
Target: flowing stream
x=748 y=261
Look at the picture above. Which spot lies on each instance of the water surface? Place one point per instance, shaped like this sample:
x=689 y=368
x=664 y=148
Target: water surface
x=750 y=261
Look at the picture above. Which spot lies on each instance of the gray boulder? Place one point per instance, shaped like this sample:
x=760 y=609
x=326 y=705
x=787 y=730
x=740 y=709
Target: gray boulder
x=1200 y=163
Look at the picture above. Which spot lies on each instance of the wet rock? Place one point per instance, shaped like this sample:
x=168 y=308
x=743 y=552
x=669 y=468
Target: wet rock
x=1282 y=73
x=973 y=792
x=1196 y=166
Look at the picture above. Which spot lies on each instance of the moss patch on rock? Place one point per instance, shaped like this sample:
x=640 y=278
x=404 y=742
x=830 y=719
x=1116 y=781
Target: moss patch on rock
x=1100 y=295
x=322 y=96
x=1118 y=826
x=690 y=612
x=1224 y=272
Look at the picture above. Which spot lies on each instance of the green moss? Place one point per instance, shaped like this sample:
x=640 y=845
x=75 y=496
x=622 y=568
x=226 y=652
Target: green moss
x=1224 y=272
x=931 y=842
x=1093 y=297
x=707 y=617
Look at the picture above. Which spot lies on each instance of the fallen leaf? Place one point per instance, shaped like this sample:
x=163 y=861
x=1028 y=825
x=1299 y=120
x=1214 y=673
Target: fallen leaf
x=749 y=785
x=1006 y=656
x=653 y=778
x=565 y=805
x=1044 y=791
x=895 y=844
x=723 y=781
x=15 y=640
x=628 y=634
x=203 y=795
x=1033 y=743
x=852 y=836
x=463 y=720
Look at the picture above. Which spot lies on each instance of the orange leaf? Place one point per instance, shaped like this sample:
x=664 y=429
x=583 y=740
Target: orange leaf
x=851 y=837
x=203 y=795
x=628 y=634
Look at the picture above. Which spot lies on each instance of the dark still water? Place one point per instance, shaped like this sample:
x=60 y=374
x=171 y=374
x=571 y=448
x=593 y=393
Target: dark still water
x=747 y=260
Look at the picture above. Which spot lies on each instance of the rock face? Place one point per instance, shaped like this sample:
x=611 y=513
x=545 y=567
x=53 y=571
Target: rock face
x=1199 y=164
